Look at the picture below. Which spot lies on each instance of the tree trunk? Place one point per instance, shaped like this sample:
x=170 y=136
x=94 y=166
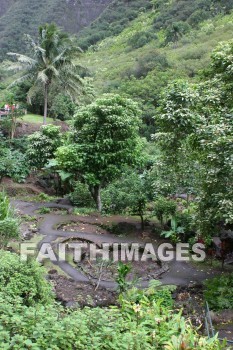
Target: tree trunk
x=188 y=200
x=13 y=127
x=45 y=104
x=96 y=193
x=142 y=222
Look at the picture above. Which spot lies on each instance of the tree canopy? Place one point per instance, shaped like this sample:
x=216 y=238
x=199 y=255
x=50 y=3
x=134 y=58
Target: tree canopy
x=105 y=139
x=195 y=124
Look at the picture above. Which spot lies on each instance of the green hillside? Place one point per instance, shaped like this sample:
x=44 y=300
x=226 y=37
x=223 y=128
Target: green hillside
x=140 y=62
x=24 y=16
x=116 y=17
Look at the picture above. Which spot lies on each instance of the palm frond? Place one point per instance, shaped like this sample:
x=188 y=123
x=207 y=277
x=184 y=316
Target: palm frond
x=15 y=67
x=23 y=59
x=42 y=77
x=20 y=80
x=32 y=92
x=53 y=69
x=59 y=57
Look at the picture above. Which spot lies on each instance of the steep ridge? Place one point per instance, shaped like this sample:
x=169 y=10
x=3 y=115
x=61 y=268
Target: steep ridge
x=18 y=17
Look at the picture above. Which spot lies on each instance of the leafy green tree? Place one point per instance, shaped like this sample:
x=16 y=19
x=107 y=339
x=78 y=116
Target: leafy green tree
x=52 y=61
x=195 y=120
x=163 y=208
x=104 y=141
x=42 y=145
x=128 y=194
x=221 y=70
x=9 y=123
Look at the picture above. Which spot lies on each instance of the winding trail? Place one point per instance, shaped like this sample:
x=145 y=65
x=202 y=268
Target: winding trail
x=179 y=273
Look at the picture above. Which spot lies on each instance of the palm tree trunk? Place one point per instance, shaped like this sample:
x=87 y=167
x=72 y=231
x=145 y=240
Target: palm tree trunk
x=45 y=104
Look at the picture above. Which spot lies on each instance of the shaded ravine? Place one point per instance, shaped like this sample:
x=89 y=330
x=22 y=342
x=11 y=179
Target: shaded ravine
x=179 y=273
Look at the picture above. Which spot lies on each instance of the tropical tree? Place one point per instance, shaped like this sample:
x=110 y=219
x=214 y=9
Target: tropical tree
x=9 y=123
x=104 y=141
x=129 y=194
x=195 y=124
x=52 y=61
x=42 y=145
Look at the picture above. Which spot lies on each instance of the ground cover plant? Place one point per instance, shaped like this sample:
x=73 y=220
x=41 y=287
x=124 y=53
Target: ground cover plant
x=38 y=322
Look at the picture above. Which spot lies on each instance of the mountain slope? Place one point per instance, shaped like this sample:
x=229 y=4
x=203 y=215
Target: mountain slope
x=112 y=21
x=139 y=62
x=18 y=17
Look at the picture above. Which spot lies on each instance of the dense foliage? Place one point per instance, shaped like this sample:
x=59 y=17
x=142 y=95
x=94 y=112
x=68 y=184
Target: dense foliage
x=129 y=194
x=42 y=145
x=140 y=61
x=112 y=22
x=105 y=139
x=195 y=124
x=9 y=223
x=143 y=321
x=219 y=292
x=80 y=196
x=192 y=12
x=23 y=281
x=183 y=179
x=13 y=163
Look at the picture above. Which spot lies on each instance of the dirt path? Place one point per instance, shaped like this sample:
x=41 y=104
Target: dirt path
x=179 y=273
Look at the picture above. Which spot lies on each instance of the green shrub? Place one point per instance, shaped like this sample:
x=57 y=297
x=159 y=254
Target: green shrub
x=144 y=325
x=185 y=220
x=81 y=196
x=219 y=292
x=44 y=197
x=139 y=39
x=9 y=228
x=176 y=30
x=24 y=280
x=42 y=145
x=163 y=208
x=13 y=163
x=9 y=223
x=114 y=199
x=44 y=210
x=197 y=17
x=154 y=293
x=147 y=63
x=122 y=271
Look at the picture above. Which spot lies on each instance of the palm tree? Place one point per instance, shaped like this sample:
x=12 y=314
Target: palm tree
x=52 y=61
